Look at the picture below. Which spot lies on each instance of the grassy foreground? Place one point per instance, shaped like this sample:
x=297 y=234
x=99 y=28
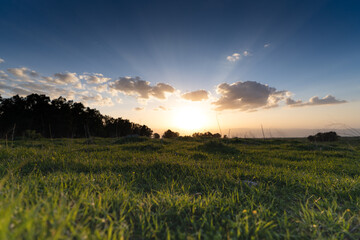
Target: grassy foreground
x=180 y=189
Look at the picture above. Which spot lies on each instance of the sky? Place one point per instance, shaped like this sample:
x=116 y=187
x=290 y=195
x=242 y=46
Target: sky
x=190 y=65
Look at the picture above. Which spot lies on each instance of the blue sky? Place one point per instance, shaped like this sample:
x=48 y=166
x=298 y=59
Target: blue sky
x=307 y=48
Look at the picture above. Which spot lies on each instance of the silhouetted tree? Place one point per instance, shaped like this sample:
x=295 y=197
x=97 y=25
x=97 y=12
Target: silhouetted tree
x=156 y=135
x=170 y=134
x=60 y=118
x=206 y=135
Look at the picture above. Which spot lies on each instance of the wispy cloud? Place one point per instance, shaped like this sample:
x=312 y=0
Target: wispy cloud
x=3 y=75
x=266 y=45
x=22 y=72
x=162 y=108
x=138 y=108
x=313 y=101
x=2 y=60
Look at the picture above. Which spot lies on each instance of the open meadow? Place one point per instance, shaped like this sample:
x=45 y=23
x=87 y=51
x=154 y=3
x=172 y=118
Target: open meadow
x=184 y=188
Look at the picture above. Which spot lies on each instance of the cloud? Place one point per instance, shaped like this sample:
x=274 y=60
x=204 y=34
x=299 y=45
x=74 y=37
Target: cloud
x=14 y=89
x=160 y=89
x=138 y=108
x=96 y=99
x=234 y=57
x=246 y=53
x=140 y=88
x=23 y=72
x=24 y=81
x=266 y=45
x=198 y=95
x=119 y=100
x=161 y=108
x=3 y=75
x=314 y=101
x=276 y=97
x=292 y=102
x=100 y=88
x=43 y=88
x=2 y=60
x=20 y=91
x=248 y=96
x=94 y=78
x=65 y=78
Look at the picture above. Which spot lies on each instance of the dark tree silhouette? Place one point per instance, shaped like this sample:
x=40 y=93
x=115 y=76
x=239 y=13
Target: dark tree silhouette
x=60 y=118
x=324 y=137
x=156 y=135
x=206 y=135
x=170 y=134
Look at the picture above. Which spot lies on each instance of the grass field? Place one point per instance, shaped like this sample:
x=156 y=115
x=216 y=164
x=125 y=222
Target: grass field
x=180 y=189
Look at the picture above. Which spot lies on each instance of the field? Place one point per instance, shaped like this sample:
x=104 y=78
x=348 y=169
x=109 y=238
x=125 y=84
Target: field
x=139 y=188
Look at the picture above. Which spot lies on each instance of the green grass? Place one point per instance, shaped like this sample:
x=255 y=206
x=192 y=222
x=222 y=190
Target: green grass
x=180 y=189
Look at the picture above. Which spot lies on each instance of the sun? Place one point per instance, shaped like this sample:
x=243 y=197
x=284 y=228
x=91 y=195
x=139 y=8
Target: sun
x=190 y=118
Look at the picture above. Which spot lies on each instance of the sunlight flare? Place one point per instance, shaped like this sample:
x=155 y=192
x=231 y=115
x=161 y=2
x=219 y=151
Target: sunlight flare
x=190 y=118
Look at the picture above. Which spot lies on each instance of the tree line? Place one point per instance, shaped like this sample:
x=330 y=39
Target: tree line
x=59 y=118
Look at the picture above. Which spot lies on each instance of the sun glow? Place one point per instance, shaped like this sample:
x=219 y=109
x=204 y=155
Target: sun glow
x=190 y=118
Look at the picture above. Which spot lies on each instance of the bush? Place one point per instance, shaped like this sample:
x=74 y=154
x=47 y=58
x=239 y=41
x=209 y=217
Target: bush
x=170 y=134
x=324 y=137
x=32 y=134
x=156 y=135
x=217 y=147
x=131 y=139
x=206 y=135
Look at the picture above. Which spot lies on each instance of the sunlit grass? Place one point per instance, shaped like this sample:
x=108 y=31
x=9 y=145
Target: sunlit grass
x=184 y=189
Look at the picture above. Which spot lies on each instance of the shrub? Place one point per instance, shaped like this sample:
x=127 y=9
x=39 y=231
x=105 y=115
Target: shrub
x=32 y=134
x=324 y=137
x=217 y=147
x=170 y=134
x=131 y=139
x=156 y=135
x=206 y=135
